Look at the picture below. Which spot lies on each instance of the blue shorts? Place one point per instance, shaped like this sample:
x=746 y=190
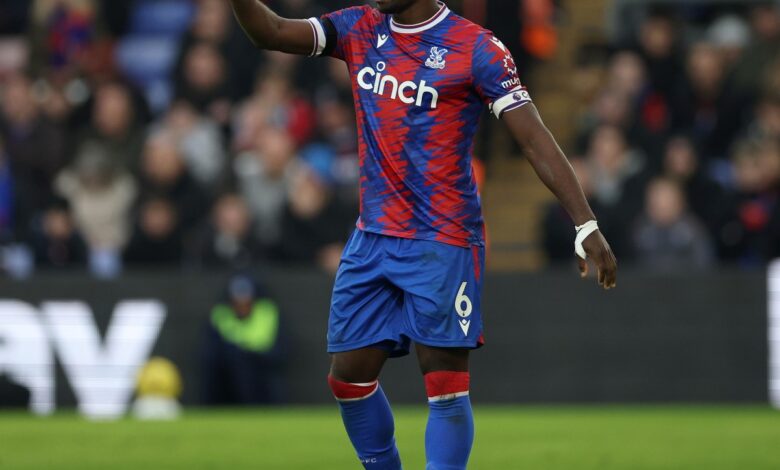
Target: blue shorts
x=390 y=291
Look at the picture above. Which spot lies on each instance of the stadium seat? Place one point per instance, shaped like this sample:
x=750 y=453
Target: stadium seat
x=161 y=17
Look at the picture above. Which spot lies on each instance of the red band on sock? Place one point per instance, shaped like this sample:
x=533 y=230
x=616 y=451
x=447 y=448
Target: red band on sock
x=445 y=384
x=344 y=391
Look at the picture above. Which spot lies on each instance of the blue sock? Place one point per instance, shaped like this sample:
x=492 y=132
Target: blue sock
x=369 y=423
x=450 y=432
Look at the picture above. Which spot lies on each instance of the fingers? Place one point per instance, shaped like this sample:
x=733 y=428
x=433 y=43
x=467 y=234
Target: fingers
x=599 y=252
x=613 y=271
x=606 y=267
x=583 y=267
x=609 y=266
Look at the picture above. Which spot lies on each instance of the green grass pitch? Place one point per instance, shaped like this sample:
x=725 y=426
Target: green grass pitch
x=548 y=438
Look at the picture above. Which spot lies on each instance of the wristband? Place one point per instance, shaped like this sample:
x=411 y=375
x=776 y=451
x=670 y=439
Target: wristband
x=583 y=231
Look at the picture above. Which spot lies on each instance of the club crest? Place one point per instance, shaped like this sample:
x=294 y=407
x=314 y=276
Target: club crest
x=510 y=66
x=436 y=60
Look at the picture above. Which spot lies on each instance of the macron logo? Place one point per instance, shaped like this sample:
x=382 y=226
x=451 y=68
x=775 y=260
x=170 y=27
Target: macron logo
x=381 y=40
x=498 y=43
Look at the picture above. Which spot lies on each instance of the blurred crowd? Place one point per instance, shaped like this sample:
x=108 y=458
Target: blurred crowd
x=678 y=144
x=152 y=133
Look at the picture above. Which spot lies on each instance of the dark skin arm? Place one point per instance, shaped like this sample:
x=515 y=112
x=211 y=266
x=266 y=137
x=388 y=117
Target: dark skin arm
x=556 y=173
x=269 y=31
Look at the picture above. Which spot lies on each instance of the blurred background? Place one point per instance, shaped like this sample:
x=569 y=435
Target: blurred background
x=167 y=191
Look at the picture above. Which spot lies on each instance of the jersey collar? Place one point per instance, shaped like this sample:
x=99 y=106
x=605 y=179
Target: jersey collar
x=425 y=25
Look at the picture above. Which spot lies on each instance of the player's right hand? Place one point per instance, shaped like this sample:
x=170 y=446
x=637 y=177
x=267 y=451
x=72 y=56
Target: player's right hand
x=600 y=253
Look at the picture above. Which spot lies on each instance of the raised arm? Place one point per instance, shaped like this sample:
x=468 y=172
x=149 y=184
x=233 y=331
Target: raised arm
x=556 y=173
x=267 y=30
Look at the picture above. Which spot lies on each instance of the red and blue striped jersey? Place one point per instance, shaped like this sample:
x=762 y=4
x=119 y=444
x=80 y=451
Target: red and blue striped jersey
x=419 y=92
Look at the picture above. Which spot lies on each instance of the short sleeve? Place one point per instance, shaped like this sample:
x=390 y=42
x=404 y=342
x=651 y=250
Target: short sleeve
x=495 y=76
x=332 y=31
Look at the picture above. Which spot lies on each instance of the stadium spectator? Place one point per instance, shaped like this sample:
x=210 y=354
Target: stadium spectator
x=614 y=167
x=156 y=239
x=204 y=82
x=199 y=140
x=590 y=61
x=33 y=146
x=164 y=174
x=666 y=236
x=617 y=177
x=659 y=46
x=706 y=198
x=274 y=103
x=264 y=178
x=755 y=232
x=64 y=30
x=243 y=350
x=56 y=107
x=730 y=34
x=626 y=74
x=607 y=109
x=114 y=129
x=314 y=226
x=227 y=241
x=55 y=241
x=645 y=118
x=213 y=23
x=100 y=194
x=762 y=52
x=766 y=124
x=705 y=106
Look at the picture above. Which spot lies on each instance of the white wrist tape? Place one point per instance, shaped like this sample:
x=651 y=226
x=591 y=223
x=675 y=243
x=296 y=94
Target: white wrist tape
x=583 y=231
